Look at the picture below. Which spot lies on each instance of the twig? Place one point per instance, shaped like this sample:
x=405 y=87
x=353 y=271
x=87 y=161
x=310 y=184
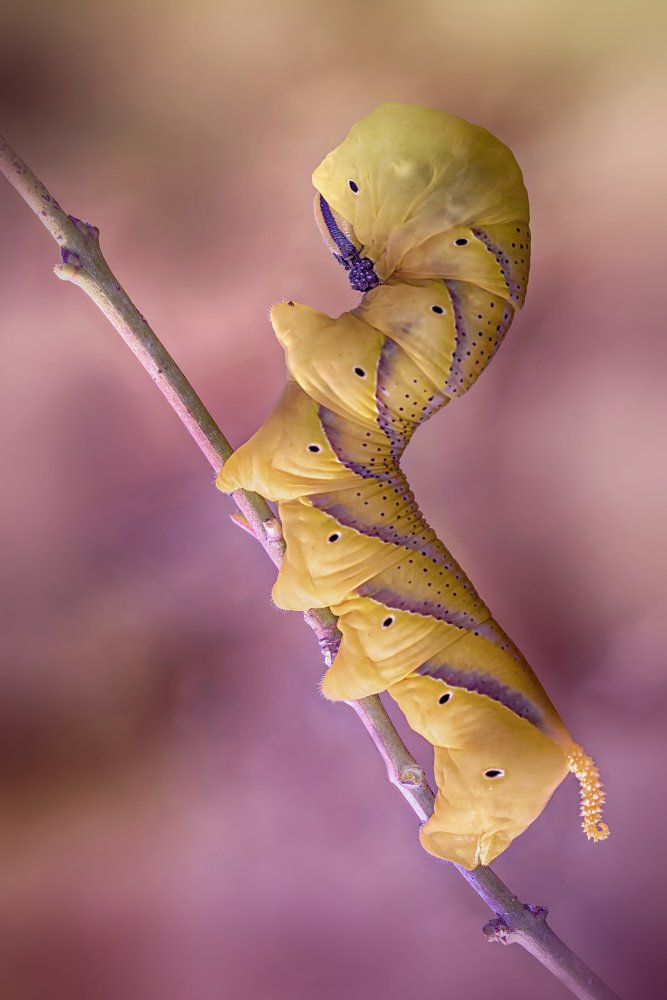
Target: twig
x=83 y=264
x=402 y=769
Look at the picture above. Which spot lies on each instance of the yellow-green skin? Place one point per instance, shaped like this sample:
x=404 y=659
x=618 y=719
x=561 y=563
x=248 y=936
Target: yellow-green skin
x=329 y=454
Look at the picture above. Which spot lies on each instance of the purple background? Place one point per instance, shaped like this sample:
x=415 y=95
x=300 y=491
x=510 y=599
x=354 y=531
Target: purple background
x=182 y=816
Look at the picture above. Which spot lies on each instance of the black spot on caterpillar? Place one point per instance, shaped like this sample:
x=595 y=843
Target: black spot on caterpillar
x=431 y=318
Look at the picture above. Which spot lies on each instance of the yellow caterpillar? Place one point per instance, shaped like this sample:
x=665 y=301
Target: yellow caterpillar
x=429 y=216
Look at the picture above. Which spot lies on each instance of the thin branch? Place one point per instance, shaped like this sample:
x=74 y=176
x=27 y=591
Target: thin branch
x=82 y=263
x=402 y=769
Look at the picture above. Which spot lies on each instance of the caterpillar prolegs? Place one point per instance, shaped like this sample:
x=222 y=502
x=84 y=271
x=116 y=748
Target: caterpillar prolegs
x=428 y=214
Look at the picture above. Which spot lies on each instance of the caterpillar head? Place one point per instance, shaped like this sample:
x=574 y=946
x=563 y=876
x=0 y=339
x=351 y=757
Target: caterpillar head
x=405 y=176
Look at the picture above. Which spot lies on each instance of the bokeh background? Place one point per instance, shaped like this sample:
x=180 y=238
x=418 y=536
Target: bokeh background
x=181 y=814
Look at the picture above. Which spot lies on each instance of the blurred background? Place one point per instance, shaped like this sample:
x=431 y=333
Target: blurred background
x=181 y=814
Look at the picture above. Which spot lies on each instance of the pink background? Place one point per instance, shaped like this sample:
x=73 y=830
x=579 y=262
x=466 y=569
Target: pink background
x=182 y=816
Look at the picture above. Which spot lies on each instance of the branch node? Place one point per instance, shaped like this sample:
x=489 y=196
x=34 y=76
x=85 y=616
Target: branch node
x=327 y=633
x=497 y=930
x=70 y=257
x=87 y=228
x=67 y=272
x=539 y=912
x=411 y=775
x=273 y=529
x=70 y=267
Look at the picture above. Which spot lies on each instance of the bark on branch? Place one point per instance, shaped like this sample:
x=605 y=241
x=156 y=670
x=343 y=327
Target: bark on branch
x=82 y=264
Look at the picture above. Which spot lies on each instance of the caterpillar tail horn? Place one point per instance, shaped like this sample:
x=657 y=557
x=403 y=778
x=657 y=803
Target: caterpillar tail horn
x=591 y=792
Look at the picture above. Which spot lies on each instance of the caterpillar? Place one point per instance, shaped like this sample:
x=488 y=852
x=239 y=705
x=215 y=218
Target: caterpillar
x=428 y=215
